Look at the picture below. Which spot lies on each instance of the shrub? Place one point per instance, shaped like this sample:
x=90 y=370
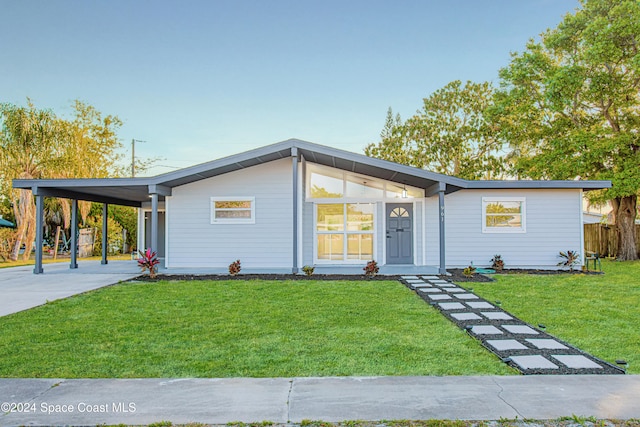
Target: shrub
x=308 y=270
x=371 y=269
x=469 y=271
x=149 y=261
x=570 y=258
x=114 y=235
x=234 y=267
x=497 y=263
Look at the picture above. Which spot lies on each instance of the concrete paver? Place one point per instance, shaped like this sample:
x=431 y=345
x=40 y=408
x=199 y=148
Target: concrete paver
x=502 y=345
x=576 y=361
x=533 y=362
x=546 y=343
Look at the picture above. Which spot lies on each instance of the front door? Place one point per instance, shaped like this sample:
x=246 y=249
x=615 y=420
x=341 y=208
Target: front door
x=399 y=233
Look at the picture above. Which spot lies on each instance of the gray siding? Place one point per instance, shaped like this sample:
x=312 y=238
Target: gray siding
x=552 y=225
x=195 y=242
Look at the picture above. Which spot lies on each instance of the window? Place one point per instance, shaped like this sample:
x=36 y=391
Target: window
x=344 y=232
x=330 y=183
x=503 y=215
x=233 y=210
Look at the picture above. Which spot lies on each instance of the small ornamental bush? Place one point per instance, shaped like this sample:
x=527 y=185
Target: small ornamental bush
x=308 y=270
x=497 y=263
x=149 y=261
x=371 y=269
x=570 y=258
x=469 y=271
x=234 y=267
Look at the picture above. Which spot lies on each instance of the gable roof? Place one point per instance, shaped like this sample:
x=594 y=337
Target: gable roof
x=135 y=191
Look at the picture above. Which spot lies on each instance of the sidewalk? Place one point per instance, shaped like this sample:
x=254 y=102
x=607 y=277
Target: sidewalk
x=282 y=400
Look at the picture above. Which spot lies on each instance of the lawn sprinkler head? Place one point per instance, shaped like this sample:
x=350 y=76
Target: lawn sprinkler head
x=542 y=326
x=623 y=364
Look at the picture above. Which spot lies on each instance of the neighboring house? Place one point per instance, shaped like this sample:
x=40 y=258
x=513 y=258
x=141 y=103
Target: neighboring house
x=594 y=214
x=295 y=203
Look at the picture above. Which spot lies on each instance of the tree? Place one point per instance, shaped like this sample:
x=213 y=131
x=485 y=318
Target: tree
x=570 y=106
x=38 y=144
x=30 y=146
x=450 y=135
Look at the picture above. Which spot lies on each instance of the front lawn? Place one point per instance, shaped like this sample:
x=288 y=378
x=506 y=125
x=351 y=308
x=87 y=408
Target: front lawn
x=236 y=328
x=599 y=314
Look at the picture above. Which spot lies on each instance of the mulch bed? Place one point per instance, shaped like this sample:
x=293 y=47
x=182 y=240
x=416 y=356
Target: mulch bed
x=263 y=277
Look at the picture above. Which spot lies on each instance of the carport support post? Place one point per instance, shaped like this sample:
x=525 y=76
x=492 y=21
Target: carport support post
x=39 y=232
x=443 y=263
x=294 y=156
x=154 y=222
x=74 y=234
x=105 y=241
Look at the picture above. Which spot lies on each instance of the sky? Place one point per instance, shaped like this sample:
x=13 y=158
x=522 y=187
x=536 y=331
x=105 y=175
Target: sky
x=203 y=79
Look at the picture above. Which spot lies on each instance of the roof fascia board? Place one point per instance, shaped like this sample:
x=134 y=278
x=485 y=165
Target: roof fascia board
x=74 y=195
x=555 y=184
x=80 y=182
x=225 y=161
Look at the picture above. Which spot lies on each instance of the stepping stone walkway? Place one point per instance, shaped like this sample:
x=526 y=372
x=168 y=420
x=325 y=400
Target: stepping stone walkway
x=522 y=346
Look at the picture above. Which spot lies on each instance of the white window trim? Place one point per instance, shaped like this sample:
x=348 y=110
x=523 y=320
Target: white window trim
x=521 y=229
x=251 y=220
x=345 y=261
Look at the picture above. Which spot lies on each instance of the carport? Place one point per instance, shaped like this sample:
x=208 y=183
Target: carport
x=133 y=192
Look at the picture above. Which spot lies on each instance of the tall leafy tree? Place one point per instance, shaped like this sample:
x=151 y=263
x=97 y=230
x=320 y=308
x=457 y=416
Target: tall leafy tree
x=37 y=144
x=449 y=135
x=570 y=106
x=31 y=146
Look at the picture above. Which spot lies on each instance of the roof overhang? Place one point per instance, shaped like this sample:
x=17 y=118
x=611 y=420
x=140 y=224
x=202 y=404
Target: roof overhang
x=136 y=191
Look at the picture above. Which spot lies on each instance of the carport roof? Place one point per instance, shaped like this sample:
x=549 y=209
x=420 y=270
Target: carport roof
x=136 y=191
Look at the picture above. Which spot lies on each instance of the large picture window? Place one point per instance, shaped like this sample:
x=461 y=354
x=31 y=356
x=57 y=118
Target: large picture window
x=233 y=210
x=503 y=215
x=329 y=183
x=345 y=232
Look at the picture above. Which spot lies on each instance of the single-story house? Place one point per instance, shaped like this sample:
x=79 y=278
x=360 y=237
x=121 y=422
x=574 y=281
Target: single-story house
x=296 y=203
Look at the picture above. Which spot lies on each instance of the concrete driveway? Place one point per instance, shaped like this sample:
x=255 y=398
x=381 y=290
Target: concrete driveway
x=21 y=289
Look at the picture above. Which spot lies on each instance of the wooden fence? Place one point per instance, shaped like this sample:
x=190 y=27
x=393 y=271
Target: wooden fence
x=603 y=239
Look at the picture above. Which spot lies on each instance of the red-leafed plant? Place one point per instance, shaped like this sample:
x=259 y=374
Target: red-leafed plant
x=371 y=269
x=149 y=261
x=234 y=267
x=570 y=258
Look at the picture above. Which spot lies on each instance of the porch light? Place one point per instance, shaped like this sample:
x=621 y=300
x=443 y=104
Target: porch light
x=404 y=191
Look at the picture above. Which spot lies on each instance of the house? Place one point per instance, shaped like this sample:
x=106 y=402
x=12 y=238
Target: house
x=296 y=203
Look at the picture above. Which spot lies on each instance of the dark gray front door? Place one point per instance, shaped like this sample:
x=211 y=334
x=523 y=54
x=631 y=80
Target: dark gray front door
x=399 y=233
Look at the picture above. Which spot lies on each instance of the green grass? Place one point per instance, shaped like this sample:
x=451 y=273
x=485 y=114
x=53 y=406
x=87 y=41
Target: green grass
x=235 y=328
x=599 y=314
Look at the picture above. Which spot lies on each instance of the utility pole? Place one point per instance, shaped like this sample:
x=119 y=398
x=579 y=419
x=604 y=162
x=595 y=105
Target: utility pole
x=133 y=156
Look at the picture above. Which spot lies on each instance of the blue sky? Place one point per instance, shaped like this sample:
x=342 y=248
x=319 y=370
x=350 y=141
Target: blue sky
x=200 y=80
